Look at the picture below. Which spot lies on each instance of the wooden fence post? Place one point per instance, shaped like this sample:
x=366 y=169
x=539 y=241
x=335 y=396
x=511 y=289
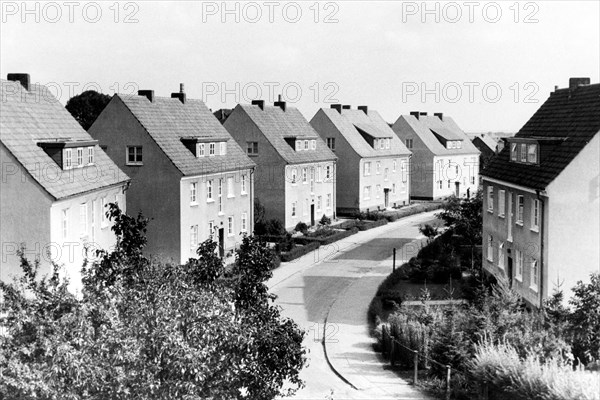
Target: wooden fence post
x=448 y=369
x=416 y=367
x=394 y=264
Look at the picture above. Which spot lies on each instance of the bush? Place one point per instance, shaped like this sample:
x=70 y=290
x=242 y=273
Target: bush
x=285 y=244
x=347 y=224
x=330 y=237
x=366 y=225
x=299 y=251
x=412 y=334
x=301 y=227
x=325 y=220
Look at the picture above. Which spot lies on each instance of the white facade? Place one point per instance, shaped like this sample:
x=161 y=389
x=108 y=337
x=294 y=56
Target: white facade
x=449 y=171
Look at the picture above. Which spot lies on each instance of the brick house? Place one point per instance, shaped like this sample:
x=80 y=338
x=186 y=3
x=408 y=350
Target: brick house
x=295 y=173
x=541 y=197
x=56 y=182
x=187 y=173
x=373 y=164
x=444 y=161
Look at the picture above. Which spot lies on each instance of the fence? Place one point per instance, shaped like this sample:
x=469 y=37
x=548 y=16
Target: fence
x=396 y=351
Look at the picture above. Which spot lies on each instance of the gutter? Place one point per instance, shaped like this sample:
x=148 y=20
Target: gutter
x=542 y=222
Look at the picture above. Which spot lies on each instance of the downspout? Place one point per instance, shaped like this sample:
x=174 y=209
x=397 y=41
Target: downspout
x=252 y=175
x=409 y=177
x=334 y=190
x=542 y=220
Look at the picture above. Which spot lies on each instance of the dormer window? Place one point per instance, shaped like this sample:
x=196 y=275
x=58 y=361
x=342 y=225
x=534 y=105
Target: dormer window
x=523 y=152
x=223 y=148
x=80 y=156
x=387 y=143
x=298 y=145
x=200 y=149
x=211 y=149
x=458 y=144
x=90 y=155
x=513 y=152
x=68 y=163
x=313 y=144
x=306 y=145
x=532 y=153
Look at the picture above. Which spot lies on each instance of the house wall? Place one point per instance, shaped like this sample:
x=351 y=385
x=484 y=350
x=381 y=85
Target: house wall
x=398 y=176
x=25 y=215
x=204 y=210
x=300 y=192
x=155 y=186
x=84 y=234
x=524 y=239
x=463 y=168
x=573 y=234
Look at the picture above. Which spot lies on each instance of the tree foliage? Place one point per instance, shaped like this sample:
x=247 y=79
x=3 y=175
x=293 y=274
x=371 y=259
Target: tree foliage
x=464 y=217
x=87 y=106
x=149 y=330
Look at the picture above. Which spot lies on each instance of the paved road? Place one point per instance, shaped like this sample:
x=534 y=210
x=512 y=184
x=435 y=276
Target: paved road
x=308 y=287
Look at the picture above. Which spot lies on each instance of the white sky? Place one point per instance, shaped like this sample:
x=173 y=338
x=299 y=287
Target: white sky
x=379 y=54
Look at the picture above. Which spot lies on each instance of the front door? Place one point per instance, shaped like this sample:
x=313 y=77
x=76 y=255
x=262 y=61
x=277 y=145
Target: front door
x=221 y=242
x=386 y=196
x=312 y=215
x=509 y=271
x=510 y=217
x=457 y=186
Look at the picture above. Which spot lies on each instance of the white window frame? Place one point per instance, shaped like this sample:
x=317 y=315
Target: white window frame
x=377 y=191
x=211 y=229
x=520 y=210
x=252 y=148
x=211 y=149
x=103 y=219
x=209 y=191
x=137 y=151
x=201 y=149
x=65 y=223
x=319 y=203
x=304 y=175
x=519 y=265
x=367 y=168
x=367 y=193
x=230 y=187
x=531 y=154
x=83 y=219
x=490 y=199
x=294 y=206
x=194 y=238
x=68 y=161
x=490 y=248
x=501 y=203
x=394 y=165
x=377 y=168
x=223 y=148
x=220 y=195
x=319 y=173
x=327 y=173
x=313 y=144
x=534 y=272
x=244 y=222
x=80 y=157
x=386 y=172
x=306 y=145
x=244 y=189
x=535 y=215
x=501 y=255
x=230 y=226
x=331 y=143
x=298 y=145
x=513 y=152
x=294 y=176
x=523 y=150
x=90 y=155
x=328 y=201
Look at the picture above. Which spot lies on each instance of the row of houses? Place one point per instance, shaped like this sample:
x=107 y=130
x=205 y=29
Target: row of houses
x=196 y=173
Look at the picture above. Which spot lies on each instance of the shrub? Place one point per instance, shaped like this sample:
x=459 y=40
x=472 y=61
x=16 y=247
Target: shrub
x=347 y=224
x=366 y=225
x=325 y=220
x=412 y=334
x=285 y=244
x=301 y=227
x=299 y=251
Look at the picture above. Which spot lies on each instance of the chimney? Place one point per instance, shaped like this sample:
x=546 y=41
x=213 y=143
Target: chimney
x=148 y=94
x=23 y=79
x=337 y=107
x=279 y=97
x=280 y=104
x=574 y=83
x=259 y=103
x=415 y=114
x=439 y=115
x=180 y=95
x=423 y=114
x=364 y=109
x=346 y=107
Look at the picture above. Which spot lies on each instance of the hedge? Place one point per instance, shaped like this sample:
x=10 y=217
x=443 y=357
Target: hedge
x=272 y=238
x=326 y=240
x=366 y=225
x=298 y=252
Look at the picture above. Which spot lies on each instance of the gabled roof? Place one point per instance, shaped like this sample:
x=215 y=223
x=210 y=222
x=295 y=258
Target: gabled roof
x=277 y=125
x=349 y=120
x=30 y=117
x=168 y=120
x=424 y=127
x=487 y=140
x=570 y=114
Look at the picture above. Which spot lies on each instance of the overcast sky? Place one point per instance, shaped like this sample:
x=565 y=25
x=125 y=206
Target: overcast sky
x=488 y=64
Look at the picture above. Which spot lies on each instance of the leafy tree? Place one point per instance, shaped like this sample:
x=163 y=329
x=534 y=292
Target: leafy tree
x=148 y=330
x=428 y=231
x=87 y=106
x=585 y=319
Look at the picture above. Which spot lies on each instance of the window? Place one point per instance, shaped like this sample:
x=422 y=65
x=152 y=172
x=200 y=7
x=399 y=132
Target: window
x=293 y=209
x=377 y=191
x=472 y=179
x=331 y=143
x=523 y=152
x=449 y=184
x=385 y=174
x=328 y=204
x=211 y=229
x=409 y=143
x=394 y=166
x=328 y=172
x=223 y=148
x=319 y=202
x=294 y=175
x=519 y=265
x=230 y=187
x=230 y=226
x=298 y=145
x=513 y=152
x=201 y=150
x=134 y=155
x=490 y=248
x=501 y=255
x=304 y=175
x=220 y=194
x=532 y=153
x=312 y=179
x=252 y=148
x=193 y=238
x=193 y=191
x=440 y=184
x=211 y=149
x=534 y=274
x=65 y=223
x=103 y=219
x=244 y=222
x=393 y=188
x=244 y=189
x=93 y=226
x=403 y=186
x=209 y=190
x=490 y=198
x=458 y=144
x=68 y=163
x=387 y=143
x=80 y=156
x=367 y=169
x=450 y=145
x=83 y=219
x=306 y=145
x=535 y=215
x=520 y=207
x=501 y=203
x=319 y=173
x=313 y=144
x=90 y=155
x=378 y=168
x=367 y=193
x=305 y=210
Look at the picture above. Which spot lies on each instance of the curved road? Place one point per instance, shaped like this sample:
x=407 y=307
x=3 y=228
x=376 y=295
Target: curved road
x=308 y=287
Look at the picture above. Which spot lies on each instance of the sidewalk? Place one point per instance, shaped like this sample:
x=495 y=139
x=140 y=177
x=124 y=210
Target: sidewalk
x=350 y=351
